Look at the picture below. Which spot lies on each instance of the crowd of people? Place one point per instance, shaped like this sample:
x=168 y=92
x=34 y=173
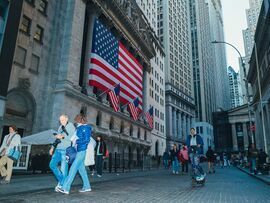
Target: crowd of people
x=74 y=149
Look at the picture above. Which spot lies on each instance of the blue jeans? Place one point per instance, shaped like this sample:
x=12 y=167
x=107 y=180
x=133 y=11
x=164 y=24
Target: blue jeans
x=175 y=164
x=253 y=165
x=77 y=165
x=59 y=156
x=195 y=163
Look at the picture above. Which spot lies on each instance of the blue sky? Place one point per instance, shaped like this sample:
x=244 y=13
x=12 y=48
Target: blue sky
x=234 y=16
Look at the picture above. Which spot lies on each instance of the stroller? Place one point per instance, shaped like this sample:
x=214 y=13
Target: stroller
x=197 y=173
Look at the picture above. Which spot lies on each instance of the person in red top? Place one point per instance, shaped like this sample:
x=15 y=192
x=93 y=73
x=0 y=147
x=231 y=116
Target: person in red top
x=183 y=157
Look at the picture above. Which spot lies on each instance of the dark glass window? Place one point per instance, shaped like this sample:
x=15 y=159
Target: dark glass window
x=26 y=24
x=39 y=34
x=43 y=6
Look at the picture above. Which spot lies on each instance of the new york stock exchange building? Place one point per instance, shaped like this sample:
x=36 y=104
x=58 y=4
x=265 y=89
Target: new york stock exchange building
x=64 y=57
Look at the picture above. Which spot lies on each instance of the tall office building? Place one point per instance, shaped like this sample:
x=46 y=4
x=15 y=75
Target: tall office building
x=252 y=15
x=174 y=34
x=219 y=54
x=156 y=81
x=202 y=61
x=236 y=98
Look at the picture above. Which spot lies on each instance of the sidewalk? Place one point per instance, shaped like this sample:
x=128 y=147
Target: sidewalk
x=263 y=178
x=21 y=184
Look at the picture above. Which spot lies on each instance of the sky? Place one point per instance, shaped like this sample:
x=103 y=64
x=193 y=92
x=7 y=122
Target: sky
x=234 y=17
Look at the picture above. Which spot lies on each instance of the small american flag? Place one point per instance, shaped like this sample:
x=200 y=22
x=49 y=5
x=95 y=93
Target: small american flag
x=133 y=108
x=113 y=95
x=111 y=63
x=150 y=117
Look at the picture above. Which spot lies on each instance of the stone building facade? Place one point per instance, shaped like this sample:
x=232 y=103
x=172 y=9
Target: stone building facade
x=50 y=64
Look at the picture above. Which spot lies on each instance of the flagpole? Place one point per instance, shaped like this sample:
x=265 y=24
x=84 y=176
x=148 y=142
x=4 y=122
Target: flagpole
x=102 y=93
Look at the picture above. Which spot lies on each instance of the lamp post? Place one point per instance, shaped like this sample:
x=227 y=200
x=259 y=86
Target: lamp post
x=246 y=84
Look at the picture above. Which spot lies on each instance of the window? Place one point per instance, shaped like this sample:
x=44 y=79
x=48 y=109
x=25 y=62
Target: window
x=43 y=6
x=20 y=56
x=39 y=34
x=26 y=24
x=34 y=63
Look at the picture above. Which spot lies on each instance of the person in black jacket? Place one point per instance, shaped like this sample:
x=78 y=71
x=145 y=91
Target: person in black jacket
x=211 y=159
x=175 y=164
x=100 y=155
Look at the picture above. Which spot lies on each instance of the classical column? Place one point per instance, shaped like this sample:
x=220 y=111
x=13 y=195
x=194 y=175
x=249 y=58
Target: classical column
x=169 y=120
x=188 y=124
x=184 y=126
x=174 y=124
x=245 y=134
x=179 y=125
x=234 y=138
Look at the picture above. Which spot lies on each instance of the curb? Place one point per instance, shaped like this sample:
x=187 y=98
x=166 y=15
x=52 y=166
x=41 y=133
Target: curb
x=254 y=176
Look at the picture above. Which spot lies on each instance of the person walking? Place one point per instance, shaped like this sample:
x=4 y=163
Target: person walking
x=10 y=142
x=261 y=160
x=175 y=164
x=253 y=155
x=101 y=149
x=211 y=160
x=81 y=140
x=166 y=159
x=184 y=158
x=58 y=150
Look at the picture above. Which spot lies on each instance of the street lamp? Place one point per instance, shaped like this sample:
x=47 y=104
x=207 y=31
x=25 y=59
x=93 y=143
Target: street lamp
x=246 y=84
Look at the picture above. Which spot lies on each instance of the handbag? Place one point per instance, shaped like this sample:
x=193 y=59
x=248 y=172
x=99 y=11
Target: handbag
x=14 y=154
x=70 y=154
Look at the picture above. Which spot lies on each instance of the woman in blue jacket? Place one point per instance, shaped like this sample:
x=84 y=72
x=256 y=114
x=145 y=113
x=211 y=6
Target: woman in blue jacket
x=82 y=137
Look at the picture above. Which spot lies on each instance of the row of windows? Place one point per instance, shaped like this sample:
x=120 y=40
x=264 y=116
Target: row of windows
x=20 y=58
x=26 y=28
x=159 y=127
x=42 y=6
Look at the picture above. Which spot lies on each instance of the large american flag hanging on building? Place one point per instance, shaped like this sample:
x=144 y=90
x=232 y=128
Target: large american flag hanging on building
x=111 y=64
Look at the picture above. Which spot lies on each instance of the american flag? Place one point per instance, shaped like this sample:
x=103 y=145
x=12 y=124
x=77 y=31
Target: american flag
x=113 y=95
x=111 y=63
x=133 y=108
x=150 y=117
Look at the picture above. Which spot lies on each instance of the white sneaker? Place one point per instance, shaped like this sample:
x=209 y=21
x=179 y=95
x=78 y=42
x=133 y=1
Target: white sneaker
x=99 y=176
x=85 y=190
x=176 y=172
x=63 y=191
x=57 y=187
x=93 y=174
x=173 y=172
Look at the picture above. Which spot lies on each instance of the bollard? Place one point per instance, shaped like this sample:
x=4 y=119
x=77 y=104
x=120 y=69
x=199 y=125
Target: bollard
x=110 y=162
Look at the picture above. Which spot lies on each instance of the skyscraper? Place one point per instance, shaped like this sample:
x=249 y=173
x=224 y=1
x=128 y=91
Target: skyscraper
x=202 y=61
x=219 y=54
x=252 y=15
x=236 y=98
x=174 y=34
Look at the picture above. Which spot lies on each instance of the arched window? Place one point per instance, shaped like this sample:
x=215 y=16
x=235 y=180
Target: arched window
x=139 y=133
x=122 y=127
x=145 y=135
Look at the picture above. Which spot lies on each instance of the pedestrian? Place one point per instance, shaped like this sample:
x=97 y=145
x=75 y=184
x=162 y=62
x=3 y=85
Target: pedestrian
x=58 y=150
x=175 y=164
x=166 y=159
x=11 y=141
x=184 y=158
x=221 y=162
x=101 y=149
x=211 y=160
x=90 y=156
x=261 y=160
x=195 y=148
x=253 y=155
x=80 y=139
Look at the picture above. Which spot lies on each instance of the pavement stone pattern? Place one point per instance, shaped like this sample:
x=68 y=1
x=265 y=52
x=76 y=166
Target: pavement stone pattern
x=227 y=185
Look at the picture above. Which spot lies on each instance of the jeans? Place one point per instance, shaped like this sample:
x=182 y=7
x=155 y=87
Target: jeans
x=195 y=163
x=253 y=165
x=59 y=156
x=185 y=166
x=99 y=164
x=77 y=165
x=175 y=164
x=166 y=163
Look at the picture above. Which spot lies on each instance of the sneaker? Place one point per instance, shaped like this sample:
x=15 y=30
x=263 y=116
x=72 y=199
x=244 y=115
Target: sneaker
x=4 y=182
x=99 y=176
x=93 y=174
x=57 y=187
x=173 y=172
x=176 y=172
x=85 y=190
x=63 y=191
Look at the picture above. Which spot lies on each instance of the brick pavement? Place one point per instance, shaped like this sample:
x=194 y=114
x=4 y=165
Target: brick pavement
x=227 y=185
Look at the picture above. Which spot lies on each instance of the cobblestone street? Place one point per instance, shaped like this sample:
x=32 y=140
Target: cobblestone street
x=227 y=185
